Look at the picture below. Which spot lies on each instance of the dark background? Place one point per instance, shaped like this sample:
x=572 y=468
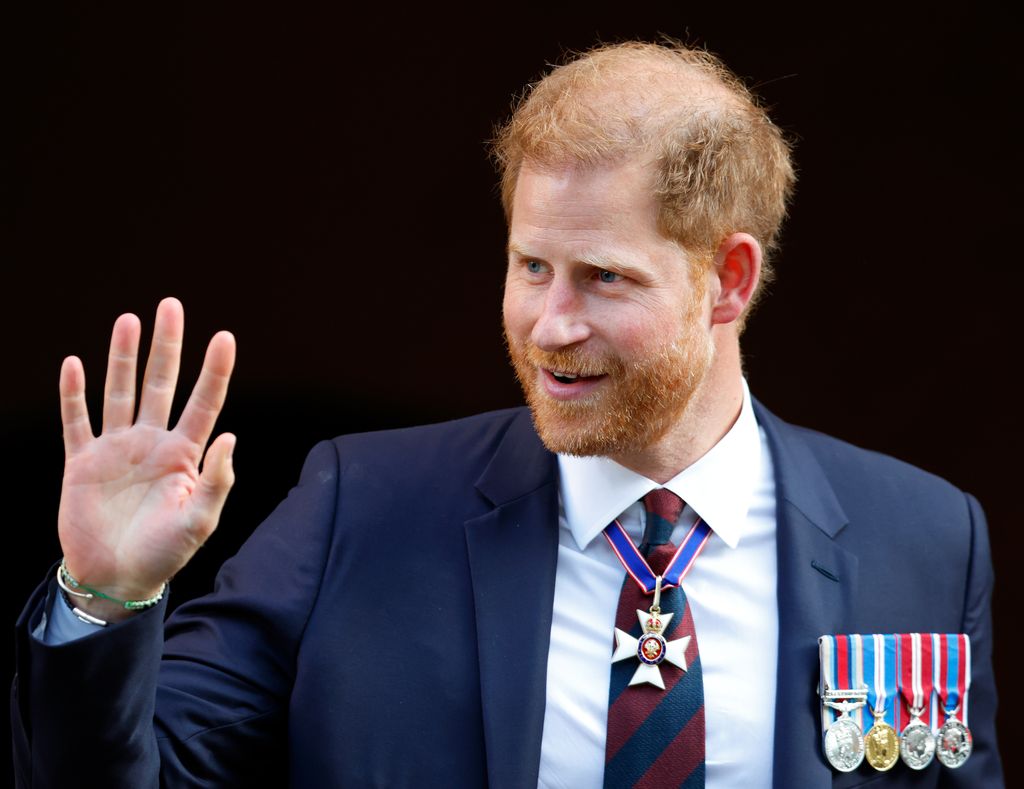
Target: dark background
x=318 y=183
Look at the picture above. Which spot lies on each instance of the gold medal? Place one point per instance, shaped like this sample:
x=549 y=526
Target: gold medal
x=881 y=745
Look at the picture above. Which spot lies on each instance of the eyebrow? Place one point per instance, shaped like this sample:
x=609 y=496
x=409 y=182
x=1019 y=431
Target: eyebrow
x=615 y=264
x=512 y=248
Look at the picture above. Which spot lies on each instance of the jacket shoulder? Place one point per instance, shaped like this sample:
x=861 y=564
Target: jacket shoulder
x=457 y=450
x=849 y=465
x=485 y=429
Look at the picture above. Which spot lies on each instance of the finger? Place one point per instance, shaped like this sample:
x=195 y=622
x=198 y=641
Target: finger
x=119 y=392
x=162 y=367
x=74 y=415
x=207 y=398
x=215 y=482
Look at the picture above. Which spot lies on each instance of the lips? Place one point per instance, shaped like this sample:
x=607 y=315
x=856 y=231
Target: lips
x=564 y=375
x=570 y=378
x=566 y=386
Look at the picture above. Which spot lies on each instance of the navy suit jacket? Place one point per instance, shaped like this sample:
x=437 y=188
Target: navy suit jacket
x=388 y=624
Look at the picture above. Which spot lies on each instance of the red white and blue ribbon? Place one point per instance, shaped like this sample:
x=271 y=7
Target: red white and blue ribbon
x=842 y=668
x=916 y=669
x=930 y=672
x=679 y=565
x=952 y=668
x=880 y=677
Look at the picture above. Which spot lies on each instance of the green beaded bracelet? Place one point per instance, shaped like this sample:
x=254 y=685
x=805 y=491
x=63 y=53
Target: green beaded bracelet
x=73 y=584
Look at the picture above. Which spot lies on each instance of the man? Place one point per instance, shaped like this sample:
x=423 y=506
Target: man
x=438 y=605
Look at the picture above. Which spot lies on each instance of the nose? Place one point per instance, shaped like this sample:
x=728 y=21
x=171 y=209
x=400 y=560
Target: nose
x=563 y=320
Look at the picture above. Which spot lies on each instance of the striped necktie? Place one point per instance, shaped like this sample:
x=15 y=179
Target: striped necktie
x=656 y=737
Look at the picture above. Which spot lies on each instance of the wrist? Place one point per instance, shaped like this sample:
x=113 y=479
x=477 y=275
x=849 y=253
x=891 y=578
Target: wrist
x=99 y=607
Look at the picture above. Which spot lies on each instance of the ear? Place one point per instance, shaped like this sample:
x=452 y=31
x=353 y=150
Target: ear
x=738 y=269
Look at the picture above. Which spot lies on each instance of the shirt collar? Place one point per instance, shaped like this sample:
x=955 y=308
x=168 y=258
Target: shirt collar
x=719 y=486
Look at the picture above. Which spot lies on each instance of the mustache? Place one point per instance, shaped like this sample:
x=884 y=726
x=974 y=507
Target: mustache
x=574 y=361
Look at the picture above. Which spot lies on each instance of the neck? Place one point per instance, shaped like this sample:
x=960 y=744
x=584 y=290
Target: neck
x=708 y=416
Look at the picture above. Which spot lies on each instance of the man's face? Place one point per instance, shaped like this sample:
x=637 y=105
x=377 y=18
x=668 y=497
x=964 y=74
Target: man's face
x=605 y=319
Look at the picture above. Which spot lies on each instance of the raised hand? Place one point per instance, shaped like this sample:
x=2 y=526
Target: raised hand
x=134 y=505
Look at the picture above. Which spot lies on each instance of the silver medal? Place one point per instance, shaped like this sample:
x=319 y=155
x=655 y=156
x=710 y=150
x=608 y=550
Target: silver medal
x=844 y=743
x=917 y=743
x=953 y=743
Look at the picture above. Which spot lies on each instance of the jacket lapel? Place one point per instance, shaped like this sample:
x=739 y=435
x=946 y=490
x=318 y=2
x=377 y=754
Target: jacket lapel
x=817 y=584
x=513 y=551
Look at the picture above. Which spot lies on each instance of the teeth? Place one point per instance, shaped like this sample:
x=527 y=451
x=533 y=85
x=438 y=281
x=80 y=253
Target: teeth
x=564 y=375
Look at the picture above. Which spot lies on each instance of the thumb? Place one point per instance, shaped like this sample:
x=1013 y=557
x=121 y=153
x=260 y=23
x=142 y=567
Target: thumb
x=215 y=481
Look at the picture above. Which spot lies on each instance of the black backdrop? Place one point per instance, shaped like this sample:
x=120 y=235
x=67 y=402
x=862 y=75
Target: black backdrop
x=317 y=182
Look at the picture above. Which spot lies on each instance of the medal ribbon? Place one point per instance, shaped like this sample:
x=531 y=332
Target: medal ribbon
x=826 y=653
x=842 y=668
x=917 y=672
x=678 y=566
x=857 y=672
x=952 y=671
x=880 y=673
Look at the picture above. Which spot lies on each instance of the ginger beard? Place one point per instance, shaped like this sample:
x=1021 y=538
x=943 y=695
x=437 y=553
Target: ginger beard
x=639 y=401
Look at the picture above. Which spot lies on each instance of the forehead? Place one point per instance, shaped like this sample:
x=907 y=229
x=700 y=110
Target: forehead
x=600 y=211
x=574 y=194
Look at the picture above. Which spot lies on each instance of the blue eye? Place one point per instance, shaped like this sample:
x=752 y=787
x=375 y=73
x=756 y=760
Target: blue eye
x=609 y=276
x=533 y=267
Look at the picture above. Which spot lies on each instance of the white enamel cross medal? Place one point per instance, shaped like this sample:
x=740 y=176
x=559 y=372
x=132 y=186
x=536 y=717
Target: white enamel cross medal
x=652 y=649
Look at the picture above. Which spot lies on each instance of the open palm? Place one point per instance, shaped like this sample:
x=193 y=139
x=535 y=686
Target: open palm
x=134 y=505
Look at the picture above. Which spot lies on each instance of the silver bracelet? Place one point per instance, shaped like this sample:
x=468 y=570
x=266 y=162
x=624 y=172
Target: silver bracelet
x=65 y=590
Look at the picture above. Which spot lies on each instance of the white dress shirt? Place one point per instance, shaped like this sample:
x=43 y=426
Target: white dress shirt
x=732 y=593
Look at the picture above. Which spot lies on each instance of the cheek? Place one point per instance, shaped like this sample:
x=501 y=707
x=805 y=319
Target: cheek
x=638 y=334
x=518 y=312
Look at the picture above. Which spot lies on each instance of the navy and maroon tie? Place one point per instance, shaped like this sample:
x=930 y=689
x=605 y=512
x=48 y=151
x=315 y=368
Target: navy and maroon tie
x=656 y=737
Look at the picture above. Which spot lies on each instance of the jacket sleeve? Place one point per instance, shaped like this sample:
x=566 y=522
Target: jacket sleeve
x=200 y=701
x=983 y=768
